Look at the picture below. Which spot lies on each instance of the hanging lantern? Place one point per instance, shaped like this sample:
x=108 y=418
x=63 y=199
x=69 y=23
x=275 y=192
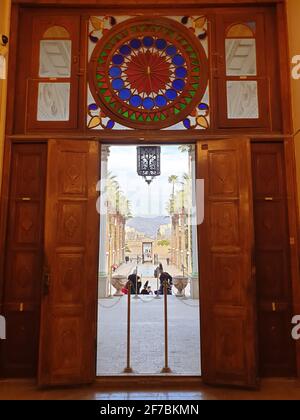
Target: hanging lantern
x=148 y=162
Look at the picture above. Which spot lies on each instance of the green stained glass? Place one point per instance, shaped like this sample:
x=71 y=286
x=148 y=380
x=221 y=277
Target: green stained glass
x=108 y=47
x=133 y=102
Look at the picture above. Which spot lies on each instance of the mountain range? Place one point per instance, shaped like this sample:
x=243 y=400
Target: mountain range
x=148 y=225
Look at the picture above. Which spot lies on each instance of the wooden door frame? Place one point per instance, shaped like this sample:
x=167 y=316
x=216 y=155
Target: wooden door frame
x=164 y=137
x=168 y=139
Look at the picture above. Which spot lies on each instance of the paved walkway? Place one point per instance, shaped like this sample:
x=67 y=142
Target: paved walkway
x=147 y=335
x=125 y=269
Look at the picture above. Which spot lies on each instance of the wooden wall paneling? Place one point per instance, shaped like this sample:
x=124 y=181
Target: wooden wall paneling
x=276 y=105
x=24 y=260
x=6 y=176
x=225 y=239
x=68 y=324
x=143 y=3
x=284 y=67
x=83 y=73
x=13 y=70
x=272 y=259
x=293 y=221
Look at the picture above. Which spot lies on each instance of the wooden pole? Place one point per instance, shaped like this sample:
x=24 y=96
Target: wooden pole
x=128 y=368
x=166 y=368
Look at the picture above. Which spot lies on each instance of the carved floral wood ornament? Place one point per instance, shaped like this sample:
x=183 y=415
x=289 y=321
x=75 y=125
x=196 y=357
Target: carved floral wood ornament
x=148 y=73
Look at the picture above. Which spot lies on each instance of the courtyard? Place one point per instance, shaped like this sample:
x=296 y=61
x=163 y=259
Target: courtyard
x=147 y=331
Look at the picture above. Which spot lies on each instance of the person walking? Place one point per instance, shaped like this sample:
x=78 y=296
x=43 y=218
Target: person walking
x=165 y=277
x=136 y=283
x=159 y=269
x=157 y=273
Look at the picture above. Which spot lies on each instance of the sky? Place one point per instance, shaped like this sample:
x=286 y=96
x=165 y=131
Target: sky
x=146 y=201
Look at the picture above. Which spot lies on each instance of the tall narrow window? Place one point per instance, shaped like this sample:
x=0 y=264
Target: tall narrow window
x=55 y=70
x=241 y=72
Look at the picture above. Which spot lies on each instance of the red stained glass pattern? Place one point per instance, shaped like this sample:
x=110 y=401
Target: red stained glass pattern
x=148 y=73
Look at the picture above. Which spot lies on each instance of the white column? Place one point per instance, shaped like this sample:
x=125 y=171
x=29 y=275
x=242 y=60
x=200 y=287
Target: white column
x=103 y=274
x=194 y=250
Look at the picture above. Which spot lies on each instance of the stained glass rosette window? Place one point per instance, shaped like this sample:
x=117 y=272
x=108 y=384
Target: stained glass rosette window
x=148 y=73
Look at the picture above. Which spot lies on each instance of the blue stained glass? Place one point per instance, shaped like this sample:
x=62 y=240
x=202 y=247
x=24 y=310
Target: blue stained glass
x=148 y=103
x=203 y=106
x=94 y=39
x=171 y=50
x=180 y=72
x=160 y=101
x=93 y=107
x=135 y=43
x=125 y=49
x=178 y=84
x=124 y=94
x=118 y=59
x=115 y=71
x=187 y=123
x=148 y=41
x=117 y=84
x=135 y=101
x=110 y=124
x=178 y=60
x=161 y=44
x=171 y=94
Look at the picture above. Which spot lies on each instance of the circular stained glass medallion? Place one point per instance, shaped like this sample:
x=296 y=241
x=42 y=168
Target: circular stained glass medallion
x=148 y=73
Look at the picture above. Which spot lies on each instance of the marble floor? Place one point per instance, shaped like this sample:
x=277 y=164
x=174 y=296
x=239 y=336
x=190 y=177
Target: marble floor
x=271 y=389
x=147 y=335
x=147 y=330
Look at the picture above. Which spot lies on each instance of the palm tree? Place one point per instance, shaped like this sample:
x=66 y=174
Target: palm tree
x=185 y=148
x=172 y=180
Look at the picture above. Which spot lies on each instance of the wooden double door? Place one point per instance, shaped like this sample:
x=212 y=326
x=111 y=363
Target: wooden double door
x=62 y=277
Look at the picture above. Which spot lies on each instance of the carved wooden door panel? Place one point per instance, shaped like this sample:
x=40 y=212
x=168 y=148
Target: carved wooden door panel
x=226 y=280
x=272 y=257
x=24 y=260
x=68 y=333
